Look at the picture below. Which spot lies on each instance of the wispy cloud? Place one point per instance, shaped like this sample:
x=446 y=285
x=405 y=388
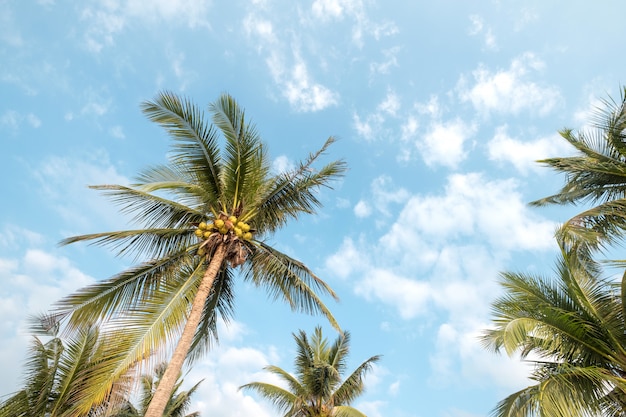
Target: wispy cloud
x=477 y=27
x=13 y=120
x=105 y=20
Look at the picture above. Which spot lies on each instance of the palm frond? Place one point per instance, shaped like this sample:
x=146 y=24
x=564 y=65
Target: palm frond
x=353 y=386
x=286 y=278
x=246 y=164
x=196 y=141
x=119 y=294
x=347 y=411
x=148 y=243
x=282 y=399
x=553 y=394
x=294 y=192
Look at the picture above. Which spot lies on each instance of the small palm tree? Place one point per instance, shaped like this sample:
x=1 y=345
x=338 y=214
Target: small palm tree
x=201 y=216
x=572 y=328
x=59 y=373
x=317 y=389
x=595 y=175
x=177 y=405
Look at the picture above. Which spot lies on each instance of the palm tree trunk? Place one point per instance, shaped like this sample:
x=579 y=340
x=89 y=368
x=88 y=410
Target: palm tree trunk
x=166 y=385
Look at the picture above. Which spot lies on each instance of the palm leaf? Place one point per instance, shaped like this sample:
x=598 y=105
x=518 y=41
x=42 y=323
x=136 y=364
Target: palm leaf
x=289 y=279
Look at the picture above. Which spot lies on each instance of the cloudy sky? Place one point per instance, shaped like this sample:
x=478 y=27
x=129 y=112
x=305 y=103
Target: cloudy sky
x=441 y=109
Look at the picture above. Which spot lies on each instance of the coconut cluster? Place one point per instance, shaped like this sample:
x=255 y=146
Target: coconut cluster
x=224 y=225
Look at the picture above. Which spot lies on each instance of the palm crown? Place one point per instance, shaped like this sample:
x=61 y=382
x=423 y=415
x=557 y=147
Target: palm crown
x=596 y=174
x=177 y=404
x=60 y=374
x=317 y=389
x=203 y=214
x=572 y=328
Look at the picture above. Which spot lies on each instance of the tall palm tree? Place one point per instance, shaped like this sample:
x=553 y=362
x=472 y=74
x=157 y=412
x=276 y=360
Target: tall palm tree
x=201 y=216
x=317 y=389
x=60 y=373
x=177 y=404
x=571 y=327
x=595 y=175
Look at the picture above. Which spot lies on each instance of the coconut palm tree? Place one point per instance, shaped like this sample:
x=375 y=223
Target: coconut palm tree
x=595 y=175
x=571 y=327
x=317 y=388
x=177 y=405
x=59 y=373
x=201 y=216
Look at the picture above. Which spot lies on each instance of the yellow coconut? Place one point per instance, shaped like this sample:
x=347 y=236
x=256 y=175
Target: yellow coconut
x=247 y=236
x=233 y=219
x=207 y=234
x=199 y=232
x=202 y=226
x=219 y=223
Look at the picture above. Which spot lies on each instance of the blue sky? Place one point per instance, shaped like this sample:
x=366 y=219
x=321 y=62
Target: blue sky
x=441 y=109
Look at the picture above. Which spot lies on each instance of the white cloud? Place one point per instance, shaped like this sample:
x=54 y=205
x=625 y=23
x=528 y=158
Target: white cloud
x=384 y=194
x=362 y=209
x=96 y=104
x=477 y=24
x=373 y=126
x=290 y=72
x=282 y=164
x=373 y=408
x=303 y=93
x=394 y=388
x=12 y=120
x=331 y=9
x=181 y=72
x=410 y=297
x=370 y=127
x=337 y=10
x=117 y=132
x=9 y=33
x=444 y=143
x=425 y=264
x=478 y=27
x=391 y=104
x=524 y=154
x=262 y=30
x=31 y=283
x=389 y=62
x=509 y=91
x=460 y=357
x=104 y=20
x=224 y=370
x=63 y=185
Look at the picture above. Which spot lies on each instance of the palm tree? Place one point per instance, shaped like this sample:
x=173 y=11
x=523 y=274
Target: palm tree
x=317 y=389
x=595 y=175
x=60 y=373
x=572 y=328
x=177 y=405
x=201 y=216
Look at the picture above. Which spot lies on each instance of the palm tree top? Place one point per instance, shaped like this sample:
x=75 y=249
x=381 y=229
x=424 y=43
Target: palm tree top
x=209 y=210
x=319 y=385
x=571 y=327
x=595 y=175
